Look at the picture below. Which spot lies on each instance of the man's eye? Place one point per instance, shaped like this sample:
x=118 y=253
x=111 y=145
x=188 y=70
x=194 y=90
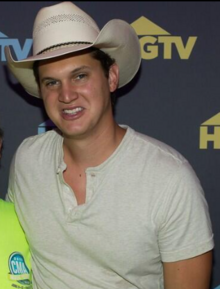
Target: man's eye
x=51 y=83
x=81 y=76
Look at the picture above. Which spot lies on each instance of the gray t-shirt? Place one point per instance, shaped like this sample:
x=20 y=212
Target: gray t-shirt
x=144 y=206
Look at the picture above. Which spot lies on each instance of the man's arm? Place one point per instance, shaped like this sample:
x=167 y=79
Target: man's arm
x=192 y=273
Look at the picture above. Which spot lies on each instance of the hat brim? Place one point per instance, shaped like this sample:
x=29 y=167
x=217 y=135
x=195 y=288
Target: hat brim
x=117 y=38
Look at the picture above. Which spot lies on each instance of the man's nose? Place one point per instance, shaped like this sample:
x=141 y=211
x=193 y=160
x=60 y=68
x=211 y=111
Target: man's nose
x=68 y=93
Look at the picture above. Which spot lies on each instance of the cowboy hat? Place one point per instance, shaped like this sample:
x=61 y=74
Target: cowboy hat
x=65 y=28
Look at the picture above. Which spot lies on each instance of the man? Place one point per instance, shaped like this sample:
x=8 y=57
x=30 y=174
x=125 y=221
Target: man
x=111 y=208
x=15 y=266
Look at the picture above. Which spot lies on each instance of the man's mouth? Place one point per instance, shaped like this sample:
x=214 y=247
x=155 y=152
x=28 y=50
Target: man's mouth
x=72 y=111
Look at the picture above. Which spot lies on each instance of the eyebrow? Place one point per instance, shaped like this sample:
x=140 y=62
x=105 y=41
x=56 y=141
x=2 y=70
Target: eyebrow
x=80 y=68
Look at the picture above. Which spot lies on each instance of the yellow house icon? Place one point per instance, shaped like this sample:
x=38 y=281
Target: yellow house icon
x=144 y=26
x=214 y=137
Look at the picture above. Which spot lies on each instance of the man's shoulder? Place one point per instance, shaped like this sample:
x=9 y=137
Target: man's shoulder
x=38 y=146
x=163 y=162
x=39 y=141
x=156 y=148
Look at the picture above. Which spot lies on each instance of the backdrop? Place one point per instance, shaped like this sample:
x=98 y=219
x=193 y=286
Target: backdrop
x=175 y=97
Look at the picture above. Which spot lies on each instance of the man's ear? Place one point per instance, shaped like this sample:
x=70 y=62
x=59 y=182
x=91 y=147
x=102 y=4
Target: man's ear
x=113 y=78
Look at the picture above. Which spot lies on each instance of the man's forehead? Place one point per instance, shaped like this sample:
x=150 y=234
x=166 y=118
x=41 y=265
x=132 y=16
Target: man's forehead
x=69 y=65
x=84 y=54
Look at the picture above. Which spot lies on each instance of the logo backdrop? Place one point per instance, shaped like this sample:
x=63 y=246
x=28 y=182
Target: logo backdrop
x=175 y=97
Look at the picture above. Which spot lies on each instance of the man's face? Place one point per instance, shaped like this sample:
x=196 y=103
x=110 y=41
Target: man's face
x=76 y=94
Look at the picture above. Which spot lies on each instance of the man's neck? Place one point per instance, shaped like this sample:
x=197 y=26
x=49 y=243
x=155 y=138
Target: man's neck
x=94 y=150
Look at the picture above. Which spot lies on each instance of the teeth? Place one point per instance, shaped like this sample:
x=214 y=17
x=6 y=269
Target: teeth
x=72 y=111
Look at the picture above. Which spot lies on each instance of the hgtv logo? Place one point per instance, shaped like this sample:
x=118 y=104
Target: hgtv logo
x=210 y=133
x=45 y=126
x=156 y=41
x=21 y=51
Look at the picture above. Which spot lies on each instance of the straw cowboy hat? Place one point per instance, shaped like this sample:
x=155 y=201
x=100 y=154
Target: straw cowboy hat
x=64 y=28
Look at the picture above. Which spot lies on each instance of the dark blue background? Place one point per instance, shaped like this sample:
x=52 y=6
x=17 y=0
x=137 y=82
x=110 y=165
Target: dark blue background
x=169 y=99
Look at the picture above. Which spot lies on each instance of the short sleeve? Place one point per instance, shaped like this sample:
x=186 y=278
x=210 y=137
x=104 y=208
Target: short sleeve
x=186 y=229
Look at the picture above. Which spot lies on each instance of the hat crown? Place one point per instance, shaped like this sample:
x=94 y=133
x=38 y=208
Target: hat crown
x=62 y=24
